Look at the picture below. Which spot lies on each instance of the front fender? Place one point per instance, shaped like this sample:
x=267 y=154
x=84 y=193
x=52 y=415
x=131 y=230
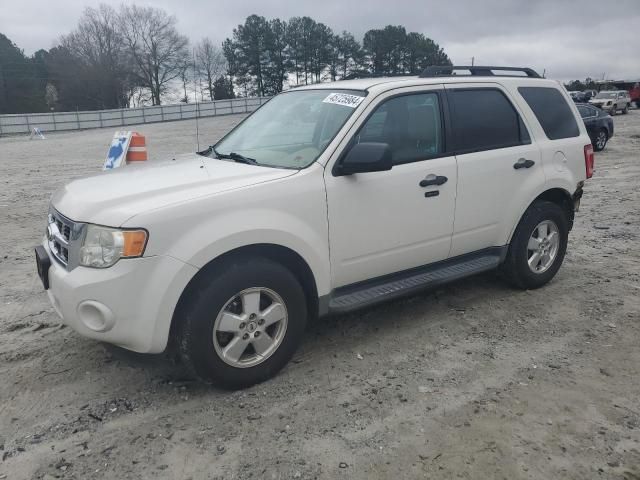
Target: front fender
x=290 y=212
x=210 y=240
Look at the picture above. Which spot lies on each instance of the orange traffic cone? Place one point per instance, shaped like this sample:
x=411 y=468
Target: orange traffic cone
x=137 y=151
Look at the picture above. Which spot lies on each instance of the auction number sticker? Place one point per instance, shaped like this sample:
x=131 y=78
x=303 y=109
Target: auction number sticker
x=344 y=99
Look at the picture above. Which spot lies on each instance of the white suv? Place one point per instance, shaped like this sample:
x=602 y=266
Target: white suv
x=328 y=198
x=612 y=101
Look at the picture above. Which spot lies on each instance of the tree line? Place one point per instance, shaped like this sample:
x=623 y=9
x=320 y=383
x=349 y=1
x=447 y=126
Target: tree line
x=135 y=55
x=262 y=55
x=579 y=85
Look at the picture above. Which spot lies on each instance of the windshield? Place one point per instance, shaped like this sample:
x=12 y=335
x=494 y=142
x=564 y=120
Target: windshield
x=292 y=129
x=606 y=95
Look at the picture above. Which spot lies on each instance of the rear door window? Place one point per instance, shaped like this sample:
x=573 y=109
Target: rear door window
x=552 y=111
x=484 y=119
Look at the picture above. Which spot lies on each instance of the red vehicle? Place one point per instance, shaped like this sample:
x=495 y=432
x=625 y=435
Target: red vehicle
x=631 y=86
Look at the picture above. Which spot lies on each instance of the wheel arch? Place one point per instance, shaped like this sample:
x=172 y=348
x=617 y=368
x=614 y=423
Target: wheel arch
x=285 y=256
x=557 y=195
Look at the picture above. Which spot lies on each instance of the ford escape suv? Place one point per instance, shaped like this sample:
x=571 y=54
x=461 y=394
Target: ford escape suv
x=328 y=198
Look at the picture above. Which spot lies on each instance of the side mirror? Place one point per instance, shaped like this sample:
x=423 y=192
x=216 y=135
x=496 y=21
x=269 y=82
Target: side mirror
x=365 y=157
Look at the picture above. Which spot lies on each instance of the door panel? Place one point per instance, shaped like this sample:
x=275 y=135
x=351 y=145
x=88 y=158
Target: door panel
x=491 y=193
x=382 y=222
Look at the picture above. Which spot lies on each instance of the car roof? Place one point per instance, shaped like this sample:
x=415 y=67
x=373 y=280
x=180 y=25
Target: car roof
x=380 y=84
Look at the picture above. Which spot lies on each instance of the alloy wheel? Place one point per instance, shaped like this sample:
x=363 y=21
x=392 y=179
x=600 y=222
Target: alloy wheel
x=543 y=246
x=250 y=327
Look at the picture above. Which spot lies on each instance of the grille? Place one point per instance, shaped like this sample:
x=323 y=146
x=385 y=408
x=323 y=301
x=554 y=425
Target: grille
x=62 y=234
x=64 y=229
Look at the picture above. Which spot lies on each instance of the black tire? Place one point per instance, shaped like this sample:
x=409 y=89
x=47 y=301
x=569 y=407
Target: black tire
x=208 y=297
x=625 y=110
x=516 y=268
x=600 y=143
x=612 y=112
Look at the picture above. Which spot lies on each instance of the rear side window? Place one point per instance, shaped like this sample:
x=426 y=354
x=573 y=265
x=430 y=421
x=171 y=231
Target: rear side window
x=552 y=111
x=484 y=119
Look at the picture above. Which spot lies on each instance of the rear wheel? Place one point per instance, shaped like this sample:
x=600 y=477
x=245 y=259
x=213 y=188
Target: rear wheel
x=243 y=323
x=600 y=140
x=538 y=246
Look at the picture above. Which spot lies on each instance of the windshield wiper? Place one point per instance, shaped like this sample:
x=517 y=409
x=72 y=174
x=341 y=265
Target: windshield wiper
x=234 y=156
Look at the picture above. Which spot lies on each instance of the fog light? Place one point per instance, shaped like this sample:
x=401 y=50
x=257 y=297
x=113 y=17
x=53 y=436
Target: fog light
x=96 y=316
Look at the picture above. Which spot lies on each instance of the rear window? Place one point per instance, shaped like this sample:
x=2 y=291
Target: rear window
x=552 y=111
x=586 y=112
x=484 y=119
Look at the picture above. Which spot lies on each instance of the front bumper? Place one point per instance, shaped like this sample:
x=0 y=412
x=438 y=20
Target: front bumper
x=130 y=304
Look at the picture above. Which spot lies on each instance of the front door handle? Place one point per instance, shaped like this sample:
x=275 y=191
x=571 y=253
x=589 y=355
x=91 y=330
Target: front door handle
x=432 y=179
x=523 y=163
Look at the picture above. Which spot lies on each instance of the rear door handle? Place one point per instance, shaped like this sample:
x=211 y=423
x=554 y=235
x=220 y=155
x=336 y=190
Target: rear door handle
x=432 y=179
x=523 y=163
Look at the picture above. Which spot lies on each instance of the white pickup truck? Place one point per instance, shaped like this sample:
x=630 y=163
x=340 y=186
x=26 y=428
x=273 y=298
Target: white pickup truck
x=328 y=198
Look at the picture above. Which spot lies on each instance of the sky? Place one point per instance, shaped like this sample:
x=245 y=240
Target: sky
x=568 y=39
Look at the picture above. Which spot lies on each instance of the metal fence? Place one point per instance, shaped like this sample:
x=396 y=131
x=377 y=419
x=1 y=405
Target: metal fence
x=63 y=121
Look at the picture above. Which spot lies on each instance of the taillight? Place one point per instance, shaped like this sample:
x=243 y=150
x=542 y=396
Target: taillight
x=589 y=160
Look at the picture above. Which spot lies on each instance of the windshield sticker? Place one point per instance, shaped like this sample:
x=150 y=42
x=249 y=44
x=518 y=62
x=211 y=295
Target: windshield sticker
x=344 y=99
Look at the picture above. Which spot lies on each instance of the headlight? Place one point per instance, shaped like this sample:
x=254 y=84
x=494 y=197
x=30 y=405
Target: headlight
x=104 y=246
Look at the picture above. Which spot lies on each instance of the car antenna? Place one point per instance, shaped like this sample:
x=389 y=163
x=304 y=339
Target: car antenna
x=195 y=94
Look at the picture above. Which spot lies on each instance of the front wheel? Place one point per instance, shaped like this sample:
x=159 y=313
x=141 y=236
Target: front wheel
x=538 y=246
x=625 y=110
x=242 y=323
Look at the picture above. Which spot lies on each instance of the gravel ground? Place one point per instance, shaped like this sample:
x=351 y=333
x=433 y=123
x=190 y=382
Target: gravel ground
x=474 y=380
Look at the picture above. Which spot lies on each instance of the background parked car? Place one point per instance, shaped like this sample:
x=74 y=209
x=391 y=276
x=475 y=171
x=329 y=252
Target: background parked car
x=631 y=86
x=612 y=101
x=589 y=94
x=599 y=125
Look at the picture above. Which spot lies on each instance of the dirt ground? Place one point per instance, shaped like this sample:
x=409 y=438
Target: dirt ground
x=474 y=380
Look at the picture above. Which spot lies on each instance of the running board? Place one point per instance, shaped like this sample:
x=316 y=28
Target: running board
x=370 y=292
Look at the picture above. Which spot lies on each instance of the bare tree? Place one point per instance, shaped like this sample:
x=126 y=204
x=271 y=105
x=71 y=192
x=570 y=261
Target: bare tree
x=157 y=48
x=97 y=43
x=210 y=63
x=186 y=74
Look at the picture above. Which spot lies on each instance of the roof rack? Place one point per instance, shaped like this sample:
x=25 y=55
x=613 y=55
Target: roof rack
x=479 y=71
x=359 y=75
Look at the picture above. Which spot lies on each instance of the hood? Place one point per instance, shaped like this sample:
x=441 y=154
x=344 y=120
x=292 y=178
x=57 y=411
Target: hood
x=112 y=197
